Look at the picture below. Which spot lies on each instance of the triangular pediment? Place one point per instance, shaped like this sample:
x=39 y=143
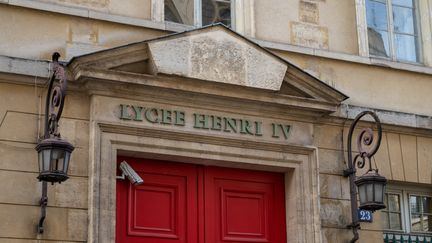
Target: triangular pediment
x=213 y=54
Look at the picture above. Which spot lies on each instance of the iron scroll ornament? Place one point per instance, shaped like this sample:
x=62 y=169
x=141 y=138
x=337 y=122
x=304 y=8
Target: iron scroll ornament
x=55 y=98
x=365 y=138
x=53 y=110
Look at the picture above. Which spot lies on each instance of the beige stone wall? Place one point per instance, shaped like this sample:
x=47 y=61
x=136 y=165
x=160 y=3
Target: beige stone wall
x=315 y=24
x=68 y=35
x=371 y=86
x=20 y=192
x=404 y=157
x=131 y=8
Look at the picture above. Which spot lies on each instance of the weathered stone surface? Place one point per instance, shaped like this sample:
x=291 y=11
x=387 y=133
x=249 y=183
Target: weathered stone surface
x=424 y=146
x=18 y=156
x=330 y=186
x=367 y=236
x=27 y=190
x=218 y=56
x=376 y=225
x=82 y=3
x=20 y=127
x=328 y=137
x=19 y=220
x=409 y=156
x=331 y=161
x=335 y=213
x=395 y=153
x=335 y=235
x=75 y=131
x=309 y=12
x=308 y=35
x=10 y=240
x=78 y=49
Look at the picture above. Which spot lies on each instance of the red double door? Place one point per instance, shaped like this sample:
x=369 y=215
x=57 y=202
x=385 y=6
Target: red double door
x=185 y=203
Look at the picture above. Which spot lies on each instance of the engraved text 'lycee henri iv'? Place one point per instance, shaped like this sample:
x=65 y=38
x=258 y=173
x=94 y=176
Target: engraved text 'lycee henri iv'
x=201 y=121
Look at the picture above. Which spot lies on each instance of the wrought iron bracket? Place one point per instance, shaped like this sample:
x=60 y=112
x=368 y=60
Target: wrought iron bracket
x=53 y=110
x=348 y=172
x=43 y=204
x=55 y=98
x=365 y=137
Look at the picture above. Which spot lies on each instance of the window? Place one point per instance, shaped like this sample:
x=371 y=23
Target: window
x=421 y=213
x=393 y=31
x=199 y=12
x=408 y=214
x=392 y=214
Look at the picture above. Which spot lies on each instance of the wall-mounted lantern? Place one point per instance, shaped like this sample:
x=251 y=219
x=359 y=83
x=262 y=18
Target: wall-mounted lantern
x=53 y=152
x=371 y=185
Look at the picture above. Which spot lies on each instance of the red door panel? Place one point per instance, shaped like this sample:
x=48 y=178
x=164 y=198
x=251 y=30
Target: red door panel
x=163 y=208
x=177 y=203
x=244 y=206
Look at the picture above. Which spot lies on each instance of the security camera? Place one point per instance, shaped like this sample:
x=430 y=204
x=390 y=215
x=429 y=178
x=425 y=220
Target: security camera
x=130 y=173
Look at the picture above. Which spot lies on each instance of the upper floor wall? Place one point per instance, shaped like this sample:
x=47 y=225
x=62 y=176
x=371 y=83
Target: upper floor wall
x=382 y=29
x=327 y=38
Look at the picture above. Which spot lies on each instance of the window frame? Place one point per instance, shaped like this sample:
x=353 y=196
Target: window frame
x=242 y=16
x=405 y=192
x=363 y=38
x=421 y=195
x=402 y=209
x=198 y=13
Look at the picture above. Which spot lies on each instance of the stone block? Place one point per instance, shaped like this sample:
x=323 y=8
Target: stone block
x=78 y=49
x=72 y=193
x=309 y=12
x=78 y=165
x=20 y=98
x=345 y=186
x=334 y=235
x=395 y=153
x=10 y=240
x=335 y=213
x=330 y=186
x=328 y=137
x=83 y=4
x=75 y=131
x=61 y=224
x=424 y=154
x=219 y=56
x=331 y=161
x=376 y=225
x=309 y=35
x=18 y=156
x=367 y=236
x=20 y=127
x=409 y=156
x=27 y=190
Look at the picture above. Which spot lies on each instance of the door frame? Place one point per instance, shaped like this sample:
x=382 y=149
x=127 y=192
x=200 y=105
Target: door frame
x=298 y=163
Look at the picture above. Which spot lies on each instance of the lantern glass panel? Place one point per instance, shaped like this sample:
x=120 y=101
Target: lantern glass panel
x=46 y=159
x=379 y=192
x=40 y=161
x=57 y=157
x=362 y=193
x=57 y=154
x=369 y=192
x=66 y=162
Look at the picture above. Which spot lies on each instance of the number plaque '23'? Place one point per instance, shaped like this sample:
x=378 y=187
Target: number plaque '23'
x=365 y=215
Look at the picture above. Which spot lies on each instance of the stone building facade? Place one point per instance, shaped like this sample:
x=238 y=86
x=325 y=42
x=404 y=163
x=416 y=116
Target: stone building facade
x=273 y=96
